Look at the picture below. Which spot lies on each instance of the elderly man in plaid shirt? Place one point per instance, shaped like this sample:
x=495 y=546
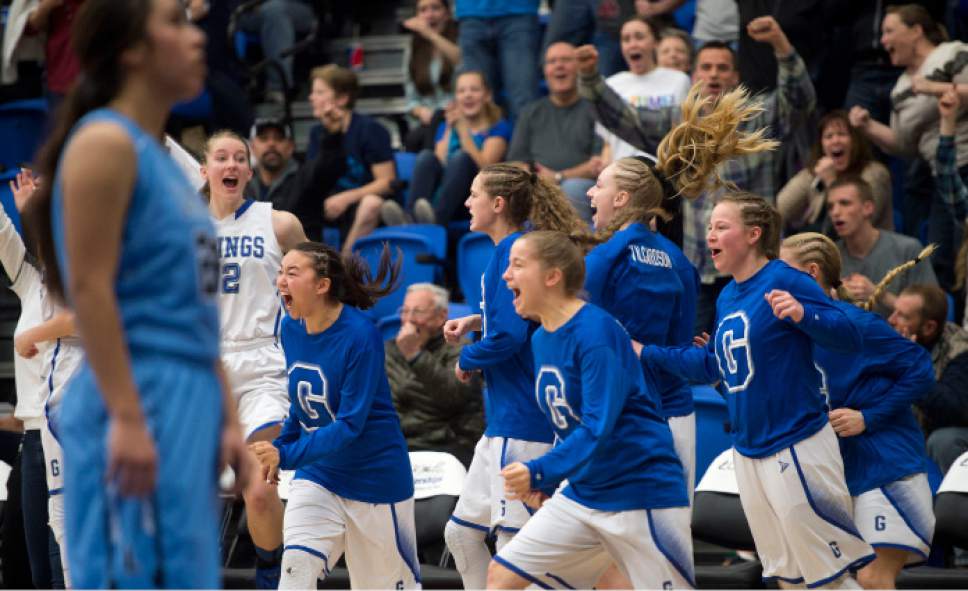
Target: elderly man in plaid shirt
x=784 y=109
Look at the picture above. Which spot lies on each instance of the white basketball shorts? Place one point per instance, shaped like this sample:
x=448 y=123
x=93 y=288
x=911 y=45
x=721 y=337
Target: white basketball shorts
x=898 y=515
x=482 y=504
x=800 y=512
x=379 y=540
x=568 y=545
x=257 y=375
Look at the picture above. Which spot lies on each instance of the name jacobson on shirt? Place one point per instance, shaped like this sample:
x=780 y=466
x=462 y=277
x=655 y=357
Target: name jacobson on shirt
x=241 y=246
x=650 y=256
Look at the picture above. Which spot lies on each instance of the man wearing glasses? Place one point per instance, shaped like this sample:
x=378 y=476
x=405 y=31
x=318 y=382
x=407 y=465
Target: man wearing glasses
x=437 y=412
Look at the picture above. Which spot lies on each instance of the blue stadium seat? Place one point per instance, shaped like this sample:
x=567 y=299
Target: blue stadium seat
x=6 y=199
x=330 y=236
x=389 y=326
x=413 y=248
x=22 y=125
x=711 y=435
x=473 y=253
x=435 y=235
x=951 y=307
x=404 y=161
x=196 y=109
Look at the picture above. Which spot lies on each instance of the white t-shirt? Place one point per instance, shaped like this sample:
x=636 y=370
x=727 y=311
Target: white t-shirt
x=662 y=87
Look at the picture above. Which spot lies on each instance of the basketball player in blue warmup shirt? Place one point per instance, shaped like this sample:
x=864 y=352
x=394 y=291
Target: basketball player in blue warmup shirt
x=353 y=489
x=788 y=465
x=626 y=496
x=503 y=200
x=125 y=238
x=871 y=393
x=646 y=282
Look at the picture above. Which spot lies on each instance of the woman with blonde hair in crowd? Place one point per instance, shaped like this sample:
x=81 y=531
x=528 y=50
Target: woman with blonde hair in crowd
x=473 y=135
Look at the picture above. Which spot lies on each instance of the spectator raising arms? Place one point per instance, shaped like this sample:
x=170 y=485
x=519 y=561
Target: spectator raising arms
x=931 y=65
x=644 y=85
x=840 y=149
x=472 y=136
x=434 y=55
x=555 y=136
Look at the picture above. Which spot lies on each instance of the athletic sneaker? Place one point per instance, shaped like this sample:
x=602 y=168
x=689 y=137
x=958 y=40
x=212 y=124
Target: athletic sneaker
x=423 y=212
x=393 y=215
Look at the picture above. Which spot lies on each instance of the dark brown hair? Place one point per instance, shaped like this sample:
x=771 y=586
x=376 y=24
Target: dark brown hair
x=102 y=31
x=351 y=281
x=343 y=82
x=864 y=190
x=422 y=53
x=916 y=15
x=860 y=148
x=935 y=303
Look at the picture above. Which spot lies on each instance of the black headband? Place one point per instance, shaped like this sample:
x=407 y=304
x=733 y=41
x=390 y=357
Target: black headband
x=668 y=189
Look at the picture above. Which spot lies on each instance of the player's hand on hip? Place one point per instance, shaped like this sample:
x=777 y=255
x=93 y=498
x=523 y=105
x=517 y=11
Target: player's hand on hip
x=847 y=422
x=535 y=499
x=517 y=480
x=132 y=457
x=701 y=340
x=784 y=305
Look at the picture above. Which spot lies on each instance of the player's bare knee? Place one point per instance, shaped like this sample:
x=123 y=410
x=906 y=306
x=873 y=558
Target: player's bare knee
x=872 y=577
x=500 y=577
x=260 y=497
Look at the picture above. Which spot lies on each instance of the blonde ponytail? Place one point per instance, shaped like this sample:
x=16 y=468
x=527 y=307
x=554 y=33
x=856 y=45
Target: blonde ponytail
x=893 y=273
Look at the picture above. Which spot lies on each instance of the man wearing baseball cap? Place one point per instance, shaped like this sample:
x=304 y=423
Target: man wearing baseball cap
x=279 y=178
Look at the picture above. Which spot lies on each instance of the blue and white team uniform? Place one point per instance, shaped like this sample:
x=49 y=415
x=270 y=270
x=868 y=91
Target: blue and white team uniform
x=61 y=363
x=516 y=431
x=33 y=376
x=884 y=465
x=788 y=464
x=353 y=488
x=625 y=498
x=166 y=289
x=647 y=284
x=249 y=312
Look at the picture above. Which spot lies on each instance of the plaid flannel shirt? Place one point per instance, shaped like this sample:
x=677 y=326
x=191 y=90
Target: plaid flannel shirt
x=950 y=185
x=784 y=109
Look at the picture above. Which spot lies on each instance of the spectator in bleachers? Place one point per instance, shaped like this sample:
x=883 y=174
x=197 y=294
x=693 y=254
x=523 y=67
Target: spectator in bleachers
x=437 y=411
x=716 y=73
x=659 y=12
x=868 y=253
x=501 y=39
x=674 y=51
x=644 y=85
x=53 y=19
x=716 y=20
x=434 y=56
x=920 y=313
x=277 y=22
x=915 y=41
x=609 y=16
x=555 y=136
x=472 y=136
x=353 y=206
x=289 y=186
x=839 y=149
